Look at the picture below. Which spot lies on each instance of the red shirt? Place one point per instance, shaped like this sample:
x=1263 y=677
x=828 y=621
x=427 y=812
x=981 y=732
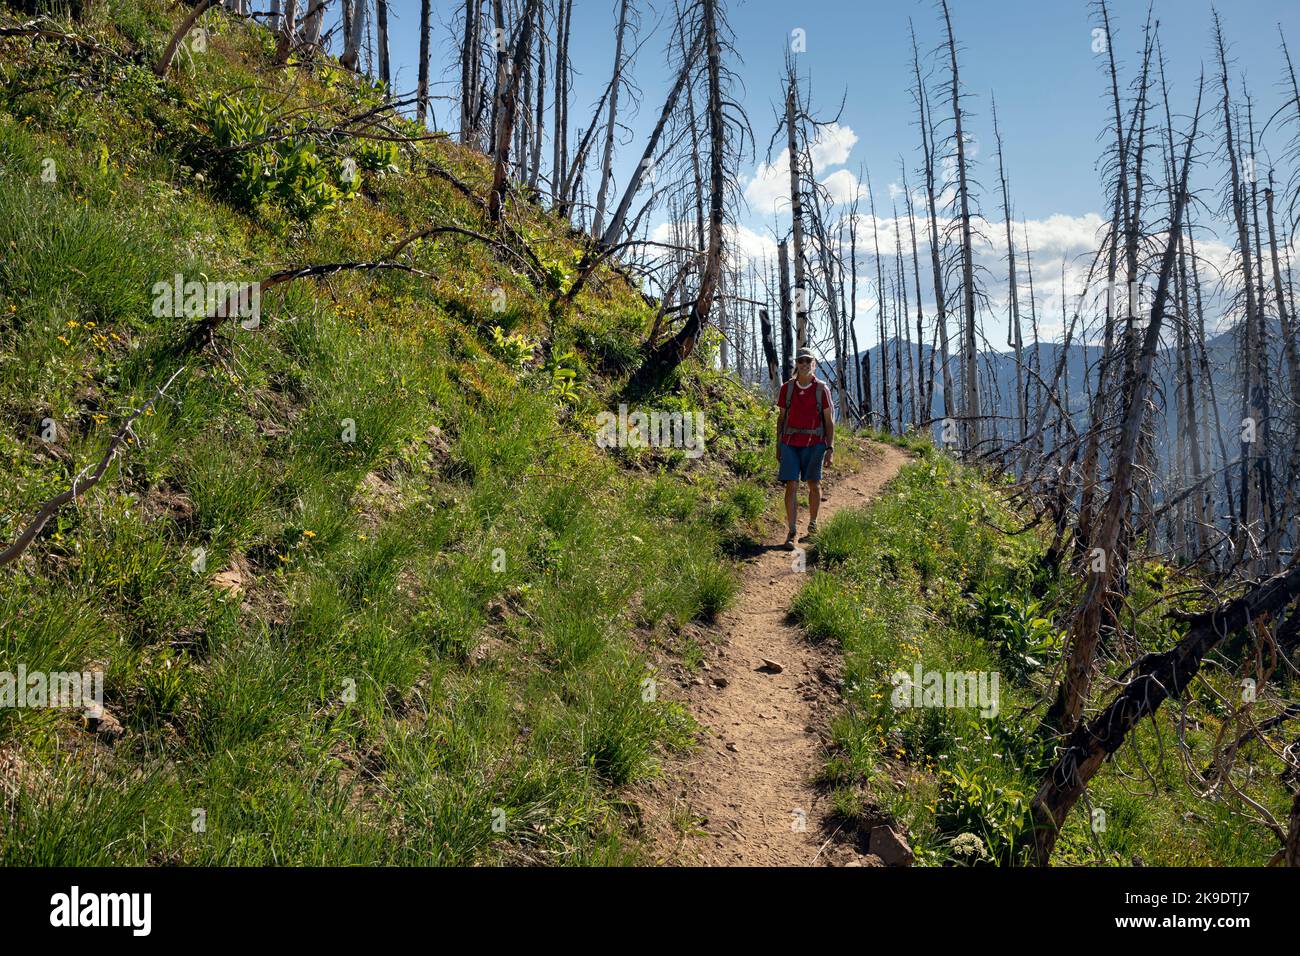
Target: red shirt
x=804 y=405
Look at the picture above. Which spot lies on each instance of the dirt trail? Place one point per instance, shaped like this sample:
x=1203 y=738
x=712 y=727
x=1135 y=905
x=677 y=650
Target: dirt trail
x=750 y=779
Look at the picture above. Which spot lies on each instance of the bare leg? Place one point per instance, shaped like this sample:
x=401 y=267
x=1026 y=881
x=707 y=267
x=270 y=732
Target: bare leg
x=814 y=499
x=791 y=504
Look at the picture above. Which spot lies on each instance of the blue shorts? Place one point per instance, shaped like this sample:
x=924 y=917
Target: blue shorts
x=801 y=464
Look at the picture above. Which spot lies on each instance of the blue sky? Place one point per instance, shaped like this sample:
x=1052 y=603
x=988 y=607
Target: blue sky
x=1036 y=56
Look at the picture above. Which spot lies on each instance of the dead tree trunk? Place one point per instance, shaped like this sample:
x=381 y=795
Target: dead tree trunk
x=615 y=230
x=312 y=23
x=1271 y=529
x=1156 y=678
x=539 y=113
x=787 y=329
x=677 y=349
x=501 y=46
x=936 y=258
x=792 y=110
x=577 y=170
x=354 y=29
x=1014 y=334
x=769 y=353
x=470 y=70
x=422 y=90
x=970 y=373
x=1200 y=504
x=1292 y=358
x=1252 y=413
x=288 y=31
x=864 y=393
x=169 y=52
x=826 y=262
x=607 y=160
x=1119 y=221
x=381 y=29
x=880 y=312
x=901 y=312
x=1195 y=517
x=509 y=104
x=1035 y=356
x=1085 y=628
x=848 y=314
x=560 y=117
x=922 y=395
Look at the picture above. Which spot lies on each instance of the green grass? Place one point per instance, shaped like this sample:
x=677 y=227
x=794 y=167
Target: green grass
x=924 y=576
x=439 y=652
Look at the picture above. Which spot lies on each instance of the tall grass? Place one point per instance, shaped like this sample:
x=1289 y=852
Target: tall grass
x=432 y=653
x=923 y=576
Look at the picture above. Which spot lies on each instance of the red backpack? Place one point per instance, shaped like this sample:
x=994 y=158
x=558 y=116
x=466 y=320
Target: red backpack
x=797 y=418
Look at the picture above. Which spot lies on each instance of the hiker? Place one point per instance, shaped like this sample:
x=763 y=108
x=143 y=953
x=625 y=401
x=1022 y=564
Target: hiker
x=805 y=436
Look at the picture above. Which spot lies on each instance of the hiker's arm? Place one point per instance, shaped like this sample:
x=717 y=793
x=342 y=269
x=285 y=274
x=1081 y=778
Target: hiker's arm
x=780 y=427
x=830 y=432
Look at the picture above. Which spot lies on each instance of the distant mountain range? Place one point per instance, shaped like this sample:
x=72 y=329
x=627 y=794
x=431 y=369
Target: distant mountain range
x=998 y=383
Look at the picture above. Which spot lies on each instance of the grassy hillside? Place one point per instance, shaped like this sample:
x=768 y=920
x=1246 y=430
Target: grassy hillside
x=935 y=575
x=362 y=585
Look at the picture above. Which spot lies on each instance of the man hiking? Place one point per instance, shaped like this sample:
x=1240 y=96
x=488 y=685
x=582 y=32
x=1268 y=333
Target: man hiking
x=805 y=436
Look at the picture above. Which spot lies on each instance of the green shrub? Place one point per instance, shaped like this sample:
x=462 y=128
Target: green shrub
x=970 y=802
x=254 y=162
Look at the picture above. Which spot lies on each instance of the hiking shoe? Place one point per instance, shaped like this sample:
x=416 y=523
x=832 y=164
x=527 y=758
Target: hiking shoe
x=812 y=528
x=790 y=539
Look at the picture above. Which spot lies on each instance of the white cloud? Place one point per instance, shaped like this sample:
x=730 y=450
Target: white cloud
x=1055 y=241
x=1056 y=234
x=1058 y=242
x=842 y=186
x=743 y=244
x=747 y=246
x=768 y=190
x=831 y=147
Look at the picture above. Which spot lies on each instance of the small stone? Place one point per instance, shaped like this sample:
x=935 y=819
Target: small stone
x=103 y=724
x=229 y=580
x=771 y=667
x=890 y=846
